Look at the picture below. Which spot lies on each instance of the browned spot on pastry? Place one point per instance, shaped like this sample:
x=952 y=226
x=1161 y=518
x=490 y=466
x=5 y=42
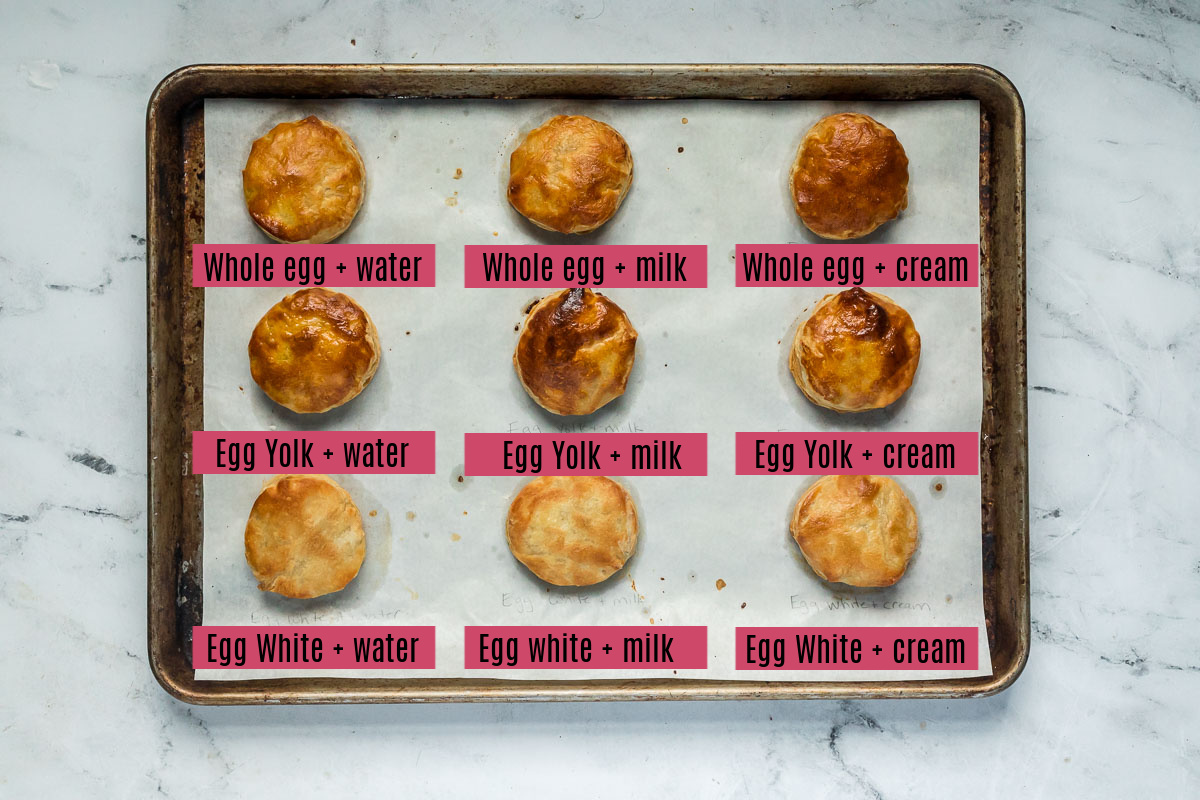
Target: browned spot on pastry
x=857 y=351
x=575 y=351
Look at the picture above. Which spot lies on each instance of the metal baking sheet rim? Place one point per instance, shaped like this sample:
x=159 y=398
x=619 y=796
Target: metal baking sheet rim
x=174 y=211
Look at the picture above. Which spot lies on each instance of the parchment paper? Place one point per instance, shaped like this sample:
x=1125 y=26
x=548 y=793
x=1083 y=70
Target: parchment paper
x=710 y=360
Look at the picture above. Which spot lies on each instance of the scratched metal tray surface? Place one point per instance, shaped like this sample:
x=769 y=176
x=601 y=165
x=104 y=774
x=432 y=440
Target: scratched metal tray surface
x=175 y=320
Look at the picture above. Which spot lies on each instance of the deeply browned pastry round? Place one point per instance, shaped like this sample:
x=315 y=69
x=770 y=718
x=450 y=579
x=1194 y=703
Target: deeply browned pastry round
x=858 y=351
x=575 y=351
x=570 y=175
x=850 y=176
x=856 y=529
x=304 y=181
x=572 y=530
x=314 y=350
x=304 y=537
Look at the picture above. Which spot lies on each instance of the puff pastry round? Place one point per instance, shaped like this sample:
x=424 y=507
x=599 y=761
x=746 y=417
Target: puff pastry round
x=850 y=176
x=314 y=350
x=570 y=175
x=575 y=351
x=304 y=181
x=572 y=530
x=304 y=537
x=859 y=530
x=858 y=351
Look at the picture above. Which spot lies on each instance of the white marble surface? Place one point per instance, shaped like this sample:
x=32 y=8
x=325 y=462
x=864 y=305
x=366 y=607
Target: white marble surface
x=1109 y=704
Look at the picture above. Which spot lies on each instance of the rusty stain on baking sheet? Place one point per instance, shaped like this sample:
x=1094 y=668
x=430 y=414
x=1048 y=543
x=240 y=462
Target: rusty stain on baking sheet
x=720 y=584
x=454 y=537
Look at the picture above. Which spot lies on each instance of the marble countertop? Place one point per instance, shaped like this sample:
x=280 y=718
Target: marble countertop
x=1110 y=702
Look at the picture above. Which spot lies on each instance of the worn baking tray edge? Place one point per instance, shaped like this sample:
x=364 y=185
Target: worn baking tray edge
x=175 y=318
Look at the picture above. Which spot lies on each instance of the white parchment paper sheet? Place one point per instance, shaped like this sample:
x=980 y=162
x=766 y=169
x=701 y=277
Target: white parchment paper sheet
x=711 y=360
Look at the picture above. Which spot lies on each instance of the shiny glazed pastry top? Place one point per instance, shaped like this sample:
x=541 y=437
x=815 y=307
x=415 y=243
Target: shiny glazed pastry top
x=570 y=175
x=857 y=351
x=850 y=176
x=314 y=350
x=304 y=181
x=575 y=351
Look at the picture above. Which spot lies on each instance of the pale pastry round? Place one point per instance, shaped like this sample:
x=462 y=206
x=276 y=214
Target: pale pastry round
x=575 y=351
x=857 y=351
x=850 y=176
x=314 y=350
x=304 y=181
x=570 y=175
x=304 y=537
x=572 y=530
x=859 y=530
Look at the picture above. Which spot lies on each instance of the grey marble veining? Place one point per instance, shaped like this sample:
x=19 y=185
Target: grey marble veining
x=1109 y=703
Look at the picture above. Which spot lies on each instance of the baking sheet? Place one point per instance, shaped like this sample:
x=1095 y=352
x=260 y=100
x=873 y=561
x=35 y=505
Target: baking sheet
x=711 y=360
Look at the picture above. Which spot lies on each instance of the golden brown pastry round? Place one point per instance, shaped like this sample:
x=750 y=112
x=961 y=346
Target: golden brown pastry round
x=575 y=351
x=314 y=350
x=850 y=176
x=304 y=537
x=304 y=181
x=858 y=351
x=572 y=530
x=856 y=529
x=570 y=175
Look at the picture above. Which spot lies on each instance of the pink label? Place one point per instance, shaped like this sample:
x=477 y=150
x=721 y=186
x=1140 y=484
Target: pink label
x=843 y=453
x=857 y=648
x=304 y=265
x=313 y=452
x=623 y=266
x=871 y=265
x=313 y=647
x=586 y=454
x=585 y=647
